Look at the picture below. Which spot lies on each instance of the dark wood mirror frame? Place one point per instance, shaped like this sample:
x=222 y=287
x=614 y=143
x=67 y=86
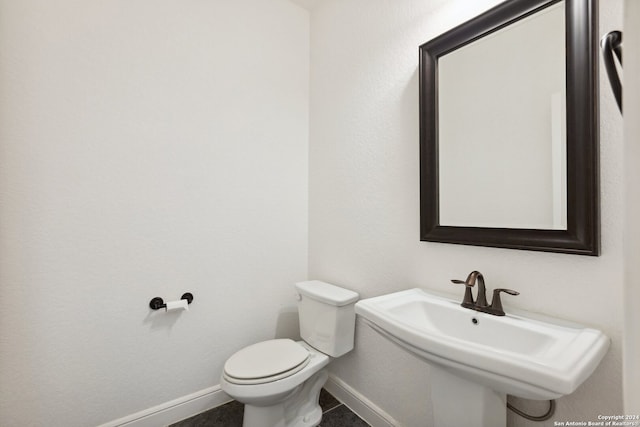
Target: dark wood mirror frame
x=583 y=208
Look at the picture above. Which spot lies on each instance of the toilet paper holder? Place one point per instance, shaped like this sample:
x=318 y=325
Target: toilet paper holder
x=157 y=303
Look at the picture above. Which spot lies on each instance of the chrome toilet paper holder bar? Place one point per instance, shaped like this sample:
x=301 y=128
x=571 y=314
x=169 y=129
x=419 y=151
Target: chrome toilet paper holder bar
x=157 y=303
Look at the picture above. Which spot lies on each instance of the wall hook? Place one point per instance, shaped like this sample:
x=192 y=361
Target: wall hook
x=611 y=45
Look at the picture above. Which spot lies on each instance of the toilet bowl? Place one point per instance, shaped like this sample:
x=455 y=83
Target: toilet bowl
x=265 y=397
x=279 y=381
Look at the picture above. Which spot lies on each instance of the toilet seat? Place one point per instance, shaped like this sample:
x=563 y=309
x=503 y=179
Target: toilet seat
x=266 y=361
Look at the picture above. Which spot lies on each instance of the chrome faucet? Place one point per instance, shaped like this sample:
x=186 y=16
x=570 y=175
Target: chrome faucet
x=480 y=303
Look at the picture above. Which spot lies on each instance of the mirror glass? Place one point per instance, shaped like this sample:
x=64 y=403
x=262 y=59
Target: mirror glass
x=501 y=121
x=509 y=129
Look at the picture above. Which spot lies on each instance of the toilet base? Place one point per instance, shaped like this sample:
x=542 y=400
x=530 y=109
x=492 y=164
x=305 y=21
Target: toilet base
x=299 y=409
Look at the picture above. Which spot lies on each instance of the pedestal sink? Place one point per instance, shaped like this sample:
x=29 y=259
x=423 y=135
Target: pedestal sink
x=478 y=358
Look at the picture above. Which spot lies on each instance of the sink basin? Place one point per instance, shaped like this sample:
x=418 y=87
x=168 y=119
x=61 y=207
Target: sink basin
x=518 y=354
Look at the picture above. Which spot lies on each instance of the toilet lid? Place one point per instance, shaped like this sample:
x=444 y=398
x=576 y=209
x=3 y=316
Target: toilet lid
x=267 y=359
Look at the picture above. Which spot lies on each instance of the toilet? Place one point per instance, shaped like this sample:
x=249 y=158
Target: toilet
x=279 y=380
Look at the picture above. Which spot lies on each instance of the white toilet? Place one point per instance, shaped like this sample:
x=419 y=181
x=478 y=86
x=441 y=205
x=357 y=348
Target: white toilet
x=279 y=380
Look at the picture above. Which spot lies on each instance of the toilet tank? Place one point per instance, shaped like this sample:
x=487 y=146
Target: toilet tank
x=327 y=316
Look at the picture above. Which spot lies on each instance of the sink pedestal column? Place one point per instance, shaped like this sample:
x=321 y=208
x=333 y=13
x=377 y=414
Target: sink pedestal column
x=459 y=402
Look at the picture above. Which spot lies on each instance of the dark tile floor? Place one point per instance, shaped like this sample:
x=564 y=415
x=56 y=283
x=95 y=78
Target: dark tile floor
x=334 y=414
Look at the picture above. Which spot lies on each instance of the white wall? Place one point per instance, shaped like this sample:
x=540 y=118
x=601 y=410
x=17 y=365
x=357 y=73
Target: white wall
x=147 y=148
x=631 y=99
x=364 y=204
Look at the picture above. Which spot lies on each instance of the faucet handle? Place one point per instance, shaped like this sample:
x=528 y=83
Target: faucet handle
x=467 y=302
x=496 y=302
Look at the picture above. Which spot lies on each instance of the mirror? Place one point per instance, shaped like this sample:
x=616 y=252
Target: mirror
x=509 y=129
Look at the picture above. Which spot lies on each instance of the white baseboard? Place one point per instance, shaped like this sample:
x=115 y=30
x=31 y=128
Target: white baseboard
x=212 y=397
x=359 y=404
x=174 y=410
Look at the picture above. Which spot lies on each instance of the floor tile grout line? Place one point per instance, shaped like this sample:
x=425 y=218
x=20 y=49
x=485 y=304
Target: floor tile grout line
x=331 y=409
